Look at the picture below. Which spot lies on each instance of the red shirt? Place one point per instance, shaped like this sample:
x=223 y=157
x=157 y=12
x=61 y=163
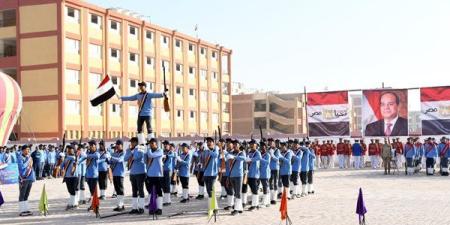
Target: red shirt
x=373 y=149
x=340 y=148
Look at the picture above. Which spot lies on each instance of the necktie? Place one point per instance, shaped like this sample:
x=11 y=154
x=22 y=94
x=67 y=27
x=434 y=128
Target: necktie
x=388 y=130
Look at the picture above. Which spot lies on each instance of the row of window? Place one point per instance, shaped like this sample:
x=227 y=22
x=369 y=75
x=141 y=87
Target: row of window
x=73 y=107
x=73 y=15
x=73 y=77
x=95 y=52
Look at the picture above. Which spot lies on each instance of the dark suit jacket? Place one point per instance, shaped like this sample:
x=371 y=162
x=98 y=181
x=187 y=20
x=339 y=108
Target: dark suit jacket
x=377 y=128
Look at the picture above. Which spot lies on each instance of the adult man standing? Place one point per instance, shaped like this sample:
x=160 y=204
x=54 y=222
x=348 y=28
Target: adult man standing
x=340 y=149
x=357 y=151
x=391 y=124
x=145 y=109
x=386 y=155
x=27 y=177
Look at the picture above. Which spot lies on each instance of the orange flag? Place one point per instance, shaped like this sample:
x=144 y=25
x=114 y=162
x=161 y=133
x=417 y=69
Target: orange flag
x=283 y=206
x=95 y=203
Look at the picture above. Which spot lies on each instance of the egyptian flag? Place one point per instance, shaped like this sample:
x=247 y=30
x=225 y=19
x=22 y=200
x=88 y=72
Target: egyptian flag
x=435 y=107
x=103 y=92
x=328 y=114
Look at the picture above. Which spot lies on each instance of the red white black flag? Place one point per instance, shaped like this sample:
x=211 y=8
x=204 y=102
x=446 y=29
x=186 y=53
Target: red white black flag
x=328 y=114
x=103 y=92
x=435 y=115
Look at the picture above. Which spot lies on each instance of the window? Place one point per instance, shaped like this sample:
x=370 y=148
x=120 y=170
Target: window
x=179 y=90
x=95 y=111
x=179 y=68
x=149 y=34
x=151 y=86
x=202 y=51
x=203 y=74
x=133 y=31
x=114 y=25
x=149 y=61
x=225 y=90
x=214 y=75
x=73 y=107
x=133 y=83
x=115 y=54
x=180 y=114
x=165 y=65
x=192 y=92
x=116 y=82
x=72 y=46
x=95 y=51
x=192 y=115
x=214 y=97
x=96 y=20
x=191 y=47
x=73 y=15
x=178 y=43
x=204 y=116
x=134 y=58
x=115 y=109
x=203 y=96
x=165 y=41
x=226 y=107
x=191 y=70
x=72 y=76
x=214 y=54
x=215 y=118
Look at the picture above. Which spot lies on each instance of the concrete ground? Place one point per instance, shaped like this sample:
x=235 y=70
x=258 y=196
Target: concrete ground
x=391 y=199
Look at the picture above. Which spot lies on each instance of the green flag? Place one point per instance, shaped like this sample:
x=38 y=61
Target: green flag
x=212 y=204
x=43 y=203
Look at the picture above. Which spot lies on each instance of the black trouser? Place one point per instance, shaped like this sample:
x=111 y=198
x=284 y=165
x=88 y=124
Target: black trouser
x=310 y=176
x=294 y=177
x=236 y=184
x=92 y=183
x=156 y=182
x=51 y=167
x=253 y=183
x=265 y=185
x=228 y=186
x=244 y=187
x=409 y=162
x=140 y=122
x=118 y=185
x=223 y=181
x=304 y=177
x=209 y=182
x=71 y=184
x=444 y=162
x=184 y=182
x=103 y=180
x=199 y=176
x=273 y=181
x=24 y=190
x=137 y=185
x=80 y=185
x=285 y=180
x=430 y=162
x=166 y=181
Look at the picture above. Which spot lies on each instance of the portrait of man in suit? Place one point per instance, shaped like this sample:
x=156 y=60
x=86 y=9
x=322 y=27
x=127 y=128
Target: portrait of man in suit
x=391 y=124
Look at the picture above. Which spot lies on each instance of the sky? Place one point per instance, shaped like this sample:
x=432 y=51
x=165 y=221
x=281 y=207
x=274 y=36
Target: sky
x=321 y=44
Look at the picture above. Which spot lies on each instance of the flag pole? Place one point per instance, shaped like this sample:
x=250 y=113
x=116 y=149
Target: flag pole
x=305 y=99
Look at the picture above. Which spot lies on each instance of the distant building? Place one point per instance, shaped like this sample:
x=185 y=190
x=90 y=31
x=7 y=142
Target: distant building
x=275 y=113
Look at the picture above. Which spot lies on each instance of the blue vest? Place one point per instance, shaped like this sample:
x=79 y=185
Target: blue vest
x=103 y=161
x=274 y=162
x=253 y=169
x=237 y=165
x=147 y=105
x=264 y=167
x=117 y=164
x=68 y=164
x=154 y=163
x=26 y=171
x=92 y=165
x=138 y=160
x=430 y=151
x=211 y=156
x=285 y=163
x=169 y=161
x=296 y=159
x=183 y=165
x=410 y=151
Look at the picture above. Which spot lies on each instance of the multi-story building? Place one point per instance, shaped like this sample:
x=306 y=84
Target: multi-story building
x=59 y=51
x=275 y=113
x=356 y=115
x=415 y=123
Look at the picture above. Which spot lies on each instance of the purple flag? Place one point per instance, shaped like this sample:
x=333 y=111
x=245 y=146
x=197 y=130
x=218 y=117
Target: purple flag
x=1 y=199
x=361 y=208
x=152 y=207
